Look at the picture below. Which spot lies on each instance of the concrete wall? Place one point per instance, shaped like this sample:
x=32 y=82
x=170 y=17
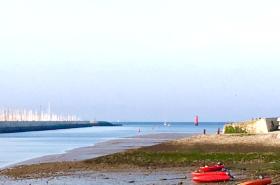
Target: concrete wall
x=262 y=126
x=257 y=126
x=25 y=126
x=272 y=124
x=38 y=123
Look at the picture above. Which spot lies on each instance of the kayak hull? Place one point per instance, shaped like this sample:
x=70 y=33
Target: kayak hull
x=264 y=181
x=211 y=168
x=195 y=174
x=211 y=178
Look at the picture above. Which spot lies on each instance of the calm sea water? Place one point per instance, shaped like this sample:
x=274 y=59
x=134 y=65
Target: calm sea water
x=17 y=147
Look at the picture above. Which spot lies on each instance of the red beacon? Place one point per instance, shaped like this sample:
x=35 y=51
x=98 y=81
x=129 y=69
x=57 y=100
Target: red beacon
x=196 y=121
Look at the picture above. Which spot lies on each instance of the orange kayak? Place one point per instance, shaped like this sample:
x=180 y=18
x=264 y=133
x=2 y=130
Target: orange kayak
x=208 y=173
x=211 y=178
x=211 y=168
x=264 y=181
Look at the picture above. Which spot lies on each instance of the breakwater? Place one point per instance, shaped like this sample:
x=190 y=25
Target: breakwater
x=26 y=126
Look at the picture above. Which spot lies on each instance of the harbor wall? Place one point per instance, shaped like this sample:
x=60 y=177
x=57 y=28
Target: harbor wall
x=25 y=126
x=254 y=126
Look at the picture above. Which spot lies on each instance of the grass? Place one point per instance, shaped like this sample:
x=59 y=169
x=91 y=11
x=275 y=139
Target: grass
x=229 y=129
x=254 y=163
x=185 y=159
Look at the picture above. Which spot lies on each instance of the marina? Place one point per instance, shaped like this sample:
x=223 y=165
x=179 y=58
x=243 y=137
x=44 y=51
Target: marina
x=12 y=121
x=13 y=115
x=28 y=120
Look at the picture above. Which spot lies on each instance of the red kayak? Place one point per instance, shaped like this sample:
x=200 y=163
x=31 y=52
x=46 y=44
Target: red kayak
x=211 y=178
x=216 y=167
x=195 y=174
x=264 y=181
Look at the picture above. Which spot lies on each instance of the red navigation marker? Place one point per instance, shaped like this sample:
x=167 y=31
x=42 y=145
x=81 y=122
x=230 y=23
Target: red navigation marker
x=196 y=121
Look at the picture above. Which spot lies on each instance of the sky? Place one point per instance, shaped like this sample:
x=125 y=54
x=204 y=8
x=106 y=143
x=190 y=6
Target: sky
x=149 y=60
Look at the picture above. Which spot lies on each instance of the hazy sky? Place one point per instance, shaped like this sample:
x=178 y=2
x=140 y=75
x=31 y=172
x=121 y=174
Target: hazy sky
x=142 y=60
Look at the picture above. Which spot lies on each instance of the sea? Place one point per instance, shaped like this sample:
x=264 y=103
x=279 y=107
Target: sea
x=18 y=147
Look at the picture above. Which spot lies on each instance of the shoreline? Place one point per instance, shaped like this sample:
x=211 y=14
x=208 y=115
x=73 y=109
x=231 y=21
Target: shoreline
x=169 y=162
x=104 y=148
x=247 y=156
x=20 y=147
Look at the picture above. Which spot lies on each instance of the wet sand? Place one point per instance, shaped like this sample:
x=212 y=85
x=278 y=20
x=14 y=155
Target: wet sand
x=136 y=177
x=106 y=148
x=109 y=176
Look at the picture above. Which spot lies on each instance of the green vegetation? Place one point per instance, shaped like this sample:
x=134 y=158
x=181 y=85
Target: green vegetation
x=229 y=129
x=170 y=159
x=256 y=163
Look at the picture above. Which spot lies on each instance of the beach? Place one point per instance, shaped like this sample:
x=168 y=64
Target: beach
x=165 y=161
x=105 y=175
x=138 y=177
x=139 y=92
